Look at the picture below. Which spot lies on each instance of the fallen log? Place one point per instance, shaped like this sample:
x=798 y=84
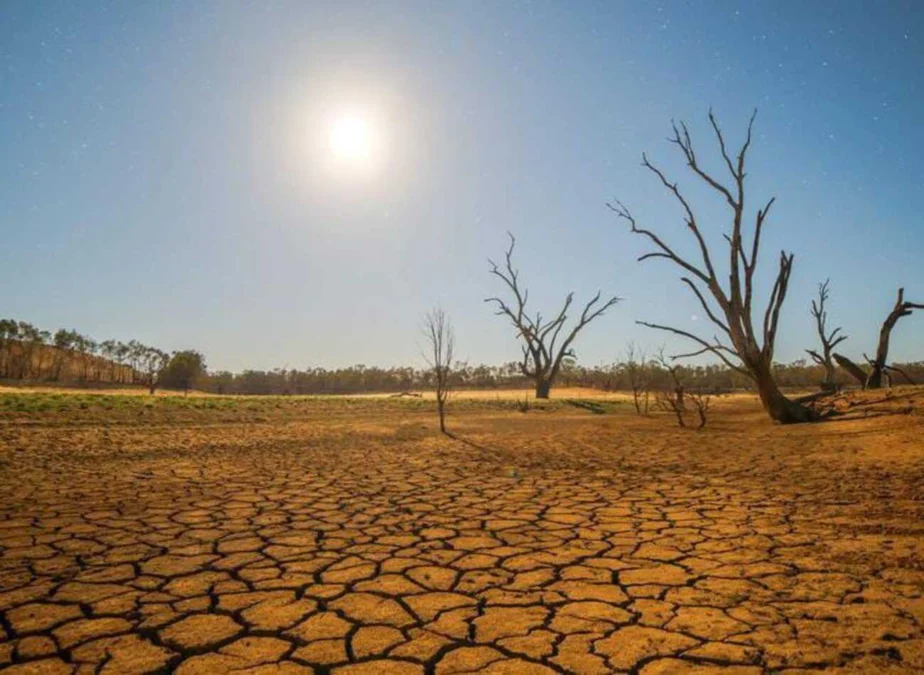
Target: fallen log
x=852 y=368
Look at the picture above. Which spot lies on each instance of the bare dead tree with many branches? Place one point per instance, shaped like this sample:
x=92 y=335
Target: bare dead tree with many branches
x=441 y=342
x=828 y=340
x=750 y=351
x=542 y=352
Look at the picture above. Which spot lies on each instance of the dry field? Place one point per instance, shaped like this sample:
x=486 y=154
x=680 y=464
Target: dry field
x=291 y=535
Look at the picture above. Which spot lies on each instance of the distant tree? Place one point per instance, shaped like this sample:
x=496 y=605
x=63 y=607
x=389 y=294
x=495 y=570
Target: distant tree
x=63 y=341
x=676 y=382
x=139 y=358
x=28 y=337
x=670 y=396
x=702 y=402
x=223 y=381
x=542 y=355
x=85 y=347
x=750 y=351
x=440 y=338
x=107 y=350
x=150 y=364
x=637 y=372
x=122 y=354
x=675 y=397
x=828 y=340
x=44 y=357
x=182 y=370
x=28 y=359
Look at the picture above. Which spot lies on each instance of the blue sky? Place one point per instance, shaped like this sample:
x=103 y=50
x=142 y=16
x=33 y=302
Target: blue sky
x=162 y=179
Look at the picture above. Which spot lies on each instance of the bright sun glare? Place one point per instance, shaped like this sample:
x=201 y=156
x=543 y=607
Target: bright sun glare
x=351 y=140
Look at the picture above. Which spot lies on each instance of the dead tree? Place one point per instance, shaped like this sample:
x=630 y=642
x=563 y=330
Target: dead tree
x=672 y=398
x=441 y=341
x=701 y=403
x=673 y=371
x=675 y=400
x=750 y=351
x=665 y=400
x=879 y=364
x=637 y=371
x=828 y=340
x=151 y=364
x=879 y=367
x=542 y=352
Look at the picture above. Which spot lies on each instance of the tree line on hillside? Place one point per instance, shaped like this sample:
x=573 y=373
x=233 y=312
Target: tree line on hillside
x=33 y=354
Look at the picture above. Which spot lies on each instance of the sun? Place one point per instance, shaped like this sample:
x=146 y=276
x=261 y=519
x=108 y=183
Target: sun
x=352 y=140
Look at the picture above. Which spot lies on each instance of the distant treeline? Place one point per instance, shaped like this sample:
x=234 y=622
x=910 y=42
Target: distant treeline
x=66 y=356
x=648 y=375
x=29 y=353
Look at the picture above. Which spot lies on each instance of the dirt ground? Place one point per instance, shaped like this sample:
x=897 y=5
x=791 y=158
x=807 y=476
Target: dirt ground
x=284 y=535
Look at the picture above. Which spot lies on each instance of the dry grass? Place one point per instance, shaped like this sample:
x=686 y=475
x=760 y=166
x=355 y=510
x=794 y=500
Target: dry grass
x=207 y=534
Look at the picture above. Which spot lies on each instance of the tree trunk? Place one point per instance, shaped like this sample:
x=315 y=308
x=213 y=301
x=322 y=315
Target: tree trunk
x=442 y=412
x=829 y=384
x=542 y=388
x=874 y=381
x=780 y=408
x=636 y=398
x=875 y=377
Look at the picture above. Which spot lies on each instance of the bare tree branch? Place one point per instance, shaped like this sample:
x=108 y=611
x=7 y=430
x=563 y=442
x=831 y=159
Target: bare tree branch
x=702 y=301
x=542 y=355
x=735 y=300
x=718 y=350
x=666 y=252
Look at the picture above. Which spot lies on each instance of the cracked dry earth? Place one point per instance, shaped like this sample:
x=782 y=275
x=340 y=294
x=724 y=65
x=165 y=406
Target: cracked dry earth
x=354 y=539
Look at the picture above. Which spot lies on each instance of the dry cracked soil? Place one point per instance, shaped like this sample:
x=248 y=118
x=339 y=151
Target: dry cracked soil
x=348 y=536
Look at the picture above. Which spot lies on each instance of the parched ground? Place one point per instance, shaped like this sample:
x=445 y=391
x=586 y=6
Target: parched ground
x=213 y=535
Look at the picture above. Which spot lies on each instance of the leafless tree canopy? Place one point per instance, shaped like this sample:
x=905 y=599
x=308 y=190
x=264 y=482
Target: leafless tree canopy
x=828 y=340
x=440 y=342
x=546 y=343
x=738 y=343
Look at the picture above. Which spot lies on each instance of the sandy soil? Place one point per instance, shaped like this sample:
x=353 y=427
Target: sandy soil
x=347 y=536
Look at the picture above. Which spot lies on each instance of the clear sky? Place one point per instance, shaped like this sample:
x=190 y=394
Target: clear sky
x=166 y=175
